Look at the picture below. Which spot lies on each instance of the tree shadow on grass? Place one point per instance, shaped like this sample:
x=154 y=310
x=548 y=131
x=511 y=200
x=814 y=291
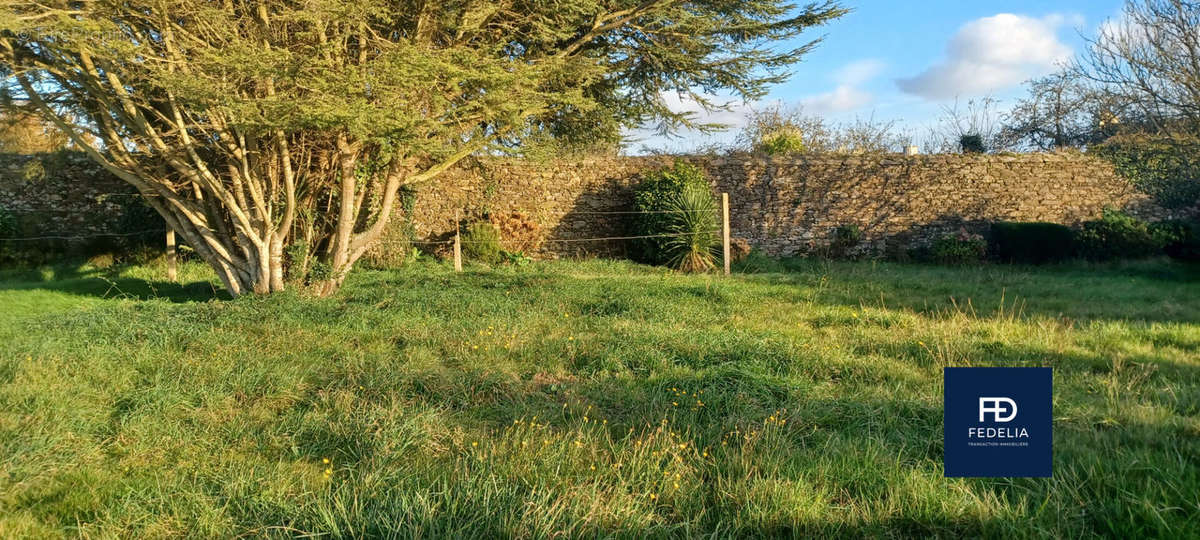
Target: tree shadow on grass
x=85 y=281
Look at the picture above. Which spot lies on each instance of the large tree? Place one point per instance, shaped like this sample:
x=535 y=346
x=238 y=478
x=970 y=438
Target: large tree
x=259 y=127
x=1146 y=63
x=1061 y=111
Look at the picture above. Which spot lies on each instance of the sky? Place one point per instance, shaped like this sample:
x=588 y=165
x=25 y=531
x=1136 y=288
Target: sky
x=905 y=61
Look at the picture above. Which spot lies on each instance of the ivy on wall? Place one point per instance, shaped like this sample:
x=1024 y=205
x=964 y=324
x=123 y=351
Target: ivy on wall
x=1167 y=169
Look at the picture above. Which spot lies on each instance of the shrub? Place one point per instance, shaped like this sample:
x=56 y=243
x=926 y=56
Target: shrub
x=481 y=242
x=845 y=239
x=958 y=248
x=781 y=142
x=8 y=223
x=1117 y=235
x=972 y=144
x=654 y=197
x=1031 y=242
x=693 y=230
x=519 y=233
x=1180 y=239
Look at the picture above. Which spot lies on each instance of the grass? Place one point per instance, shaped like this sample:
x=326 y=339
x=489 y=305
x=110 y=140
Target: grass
x=589 y=399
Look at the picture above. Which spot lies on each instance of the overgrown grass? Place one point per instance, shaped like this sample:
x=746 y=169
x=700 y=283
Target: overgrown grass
x=589 y=399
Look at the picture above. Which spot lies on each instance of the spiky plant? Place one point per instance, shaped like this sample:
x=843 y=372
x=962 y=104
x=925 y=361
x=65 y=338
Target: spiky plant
x=692 y=246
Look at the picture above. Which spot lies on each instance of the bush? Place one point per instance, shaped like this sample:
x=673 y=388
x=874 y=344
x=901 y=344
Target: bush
x=781 y=142
x=845 y=239
x=693 y=227
x=972 y=144
x=1031 y=242
x=8 y=223
x=519 y=233
x=958 y=248
x=655 y=196
x=481 y=242
x=1180 y=239
x=1118 y=235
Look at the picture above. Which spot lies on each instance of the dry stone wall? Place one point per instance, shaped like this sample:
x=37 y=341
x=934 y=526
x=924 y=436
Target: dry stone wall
x=783 y=206
x=63 y=194
x=793 y=205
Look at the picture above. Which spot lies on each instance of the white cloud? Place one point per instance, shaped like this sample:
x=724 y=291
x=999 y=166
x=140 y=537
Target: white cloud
x=991 y=54
x=842 y=99
x=856 y=73
x=847 y=96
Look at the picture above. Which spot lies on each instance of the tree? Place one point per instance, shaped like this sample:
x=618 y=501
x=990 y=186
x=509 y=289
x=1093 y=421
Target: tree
x=973 y=128
x=1147 y=62
x=1061 y=111
x=775 y=130
x=259 y=128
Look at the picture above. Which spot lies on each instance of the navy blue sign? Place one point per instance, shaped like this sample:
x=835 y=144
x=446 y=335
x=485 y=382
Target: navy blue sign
x=998 y=422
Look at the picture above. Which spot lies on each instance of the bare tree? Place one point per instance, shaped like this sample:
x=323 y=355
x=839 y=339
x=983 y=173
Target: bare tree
x=1148 y=62
x=1061 y=111
x=777 y=130
x=977 y=118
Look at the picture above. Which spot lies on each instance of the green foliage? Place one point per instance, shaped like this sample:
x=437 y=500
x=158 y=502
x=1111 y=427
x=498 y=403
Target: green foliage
x=1118 y=235
x=8 y=223
x=656 y=197
x=328 y=90
x=694 y=232
x=781 y=142
x=1167 y=168
x=845 y=239
x=972 y=143
x=33 y=170
x=1031 y=242
x=516 y=258
x=1181 y=239
x=481 y=242
x=958 y=248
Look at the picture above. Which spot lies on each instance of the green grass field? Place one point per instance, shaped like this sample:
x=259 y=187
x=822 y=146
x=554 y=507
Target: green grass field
x=588 y=399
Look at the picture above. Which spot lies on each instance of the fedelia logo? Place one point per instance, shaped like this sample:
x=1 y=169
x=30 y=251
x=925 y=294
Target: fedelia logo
x=998 y=422
x=991 y=405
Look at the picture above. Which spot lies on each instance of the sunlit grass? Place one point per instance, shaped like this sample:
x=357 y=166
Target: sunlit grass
x=589 y=398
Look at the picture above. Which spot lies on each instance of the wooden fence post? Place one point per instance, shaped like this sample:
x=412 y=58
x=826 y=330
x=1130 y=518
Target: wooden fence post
x=725 y=228
x=171 y=272
x=457 y=244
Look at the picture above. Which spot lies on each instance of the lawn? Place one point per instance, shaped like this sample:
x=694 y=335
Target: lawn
x=589 y=399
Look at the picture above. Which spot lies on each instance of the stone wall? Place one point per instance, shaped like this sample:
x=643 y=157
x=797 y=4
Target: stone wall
x=782 y=206
x=62 y=194
x=792 y=206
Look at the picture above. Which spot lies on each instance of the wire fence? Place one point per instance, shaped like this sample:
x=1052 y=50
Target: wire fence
x=83 y=236
x=455 y=241
x=450 y=241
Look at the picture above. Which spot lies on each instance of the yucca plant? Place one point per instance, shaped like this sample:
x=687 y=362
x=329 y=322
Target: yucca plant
x=693 y=228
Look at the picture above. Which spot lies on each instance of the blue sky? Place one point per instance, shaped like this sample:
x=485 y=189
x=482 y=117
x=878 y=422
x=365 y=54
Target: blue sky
x=903 y=61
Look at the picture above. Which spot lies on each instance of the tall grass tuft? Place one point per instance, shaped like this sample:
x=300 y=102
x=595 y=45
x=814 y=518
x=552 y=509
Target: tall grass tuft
x=692 y=246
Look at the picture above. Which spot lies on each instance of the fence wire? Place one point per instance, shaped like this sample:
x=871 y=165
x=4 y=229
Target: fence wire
x=391 y=242
x=81 y=236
